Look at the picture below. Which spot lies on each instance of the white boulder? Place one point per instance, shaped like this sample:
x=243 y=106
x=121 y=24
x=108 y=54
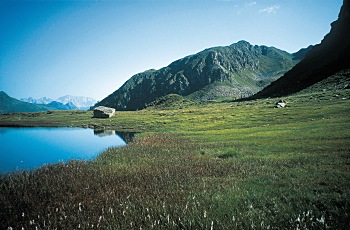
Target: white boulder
x=280 y=104
x=103 y=112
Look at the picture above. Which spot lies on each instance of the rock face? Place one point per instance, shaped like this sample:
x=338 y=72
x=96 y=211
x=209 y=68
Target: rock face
x=321 y=62
x=238 y=70
x=103 y=112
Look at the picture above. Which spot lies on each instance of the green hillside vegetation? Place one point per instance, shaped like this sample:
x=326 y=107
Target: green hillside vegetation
x=242 y=68
x=12 y=105
x=231 y=165
x=171 y=101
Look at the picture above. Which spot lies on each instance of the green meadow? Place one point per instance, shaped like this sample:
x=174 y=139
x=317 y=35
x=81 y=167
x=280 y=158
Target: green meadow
x=214 y=165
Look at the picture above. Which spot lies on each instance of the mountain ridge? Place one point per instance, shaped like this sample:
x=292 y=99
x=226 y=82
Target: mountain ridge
x=241 y=68
x=11 y=105
x=42 y=100
x=79 y=102
x=322 y=61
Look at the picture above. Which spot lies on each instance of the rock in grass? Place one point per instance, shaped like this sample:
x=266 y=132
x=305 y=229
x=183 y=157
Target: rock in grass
x=103 y=112
x=280 y=104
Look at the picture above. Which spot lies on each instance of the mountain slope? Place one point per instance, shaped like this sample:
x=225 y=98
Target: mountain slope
x=11 y=105
x=302 y=53
x=322 y=61
x=60 y=106
x=337 y=81
x=239 y=70
x=71 y=106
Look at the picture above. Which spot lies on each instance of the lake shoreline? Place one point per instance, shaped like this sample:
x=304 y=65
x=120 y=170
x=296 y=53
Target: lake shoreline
x=63 y=119
x=229 y=165
x=47 y=145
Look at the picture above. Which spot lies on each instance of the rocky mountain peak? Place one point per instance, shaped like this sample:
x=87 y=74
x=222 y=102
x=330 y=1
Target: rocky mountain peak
x=238 y=70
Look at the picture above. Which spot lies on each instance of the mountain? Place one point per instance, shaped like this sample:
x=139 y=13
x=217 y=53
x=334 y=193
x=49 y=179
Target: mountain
x=329 y=59
x=75 y=102
x=171 y=101
x=43 y=100
x=60 y=106
x=79 y=102
x=10 y=105
x=302 y=53
x=337 y=81
x=238 y=70
x=71 y=106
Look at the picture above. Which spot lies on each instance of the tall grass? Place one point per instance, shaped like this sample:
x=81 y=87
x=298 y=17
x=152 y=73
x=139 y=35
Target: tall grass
x=214 y=166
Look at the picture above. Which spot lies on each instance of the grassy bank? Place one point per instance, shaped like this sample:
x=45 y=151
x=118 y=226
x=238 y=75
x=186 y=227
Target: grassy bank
x=229 y=165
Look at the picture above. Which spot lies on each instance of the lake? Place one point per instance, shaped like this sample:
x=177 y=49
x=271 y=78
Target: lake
x=30 y=148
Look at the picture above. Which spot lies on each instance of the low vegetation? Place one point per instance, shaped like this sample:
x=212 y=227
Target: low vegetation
x=223 y=165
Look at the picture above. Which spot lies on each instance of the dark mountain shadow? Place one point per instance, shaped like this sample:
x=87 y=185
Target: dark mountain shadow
x=322 y=61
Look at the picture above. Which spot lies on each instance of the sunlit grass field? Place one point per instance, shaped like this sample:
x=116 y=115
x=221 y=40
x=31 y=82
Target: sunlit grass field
x=218 y=165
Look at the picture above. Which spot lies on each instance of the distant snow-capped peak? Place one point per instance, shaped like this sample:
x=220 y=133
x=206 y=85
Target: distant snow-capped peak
x=79 y=101
x=43 y=100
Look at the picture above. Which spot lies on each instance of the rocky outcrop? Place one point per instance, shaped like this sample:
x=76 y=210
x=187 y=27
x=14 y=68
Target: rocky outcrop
x=103 y=112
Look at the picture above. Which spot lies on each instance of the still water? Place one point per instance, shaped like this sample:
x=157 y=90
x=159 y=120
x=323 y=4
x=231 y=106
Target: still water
x=30 y=148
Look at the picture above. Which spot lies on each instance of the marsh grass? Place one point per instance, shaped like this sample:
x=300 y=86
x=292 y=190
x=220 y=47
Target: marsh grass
x=232 y=165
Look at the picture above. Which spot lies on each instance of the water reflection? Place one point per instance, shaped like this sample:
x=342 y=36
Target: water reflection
x=126 y=136
x=29 y=148
x=104 y=133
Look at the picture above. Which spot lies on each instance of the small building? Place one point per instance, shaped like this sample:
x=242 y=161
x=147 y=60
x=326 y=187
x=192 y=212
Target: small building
x=103 y=112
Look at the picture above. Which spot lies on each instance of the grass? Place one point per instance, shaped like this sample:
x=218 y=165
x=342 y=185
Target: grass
x=228 y=165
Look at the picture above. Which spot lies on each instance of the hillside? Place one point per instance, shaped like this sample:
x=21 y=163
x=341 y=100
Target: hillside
x=324 y=60
x=238 y=70
x=335 y=82
x=10 y=105
x=170 y=101
x=60 y=106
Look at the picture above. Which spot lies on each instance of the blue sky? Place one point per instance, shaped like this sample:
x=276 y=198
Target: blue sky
x=90 y=48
